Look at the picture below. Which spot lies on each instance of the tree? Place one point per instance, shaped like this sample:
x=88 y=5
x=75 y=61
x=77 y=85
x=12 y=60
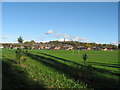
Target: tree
x=87 y=45
x=19 y=52
x=84 y=56
x=20 y=39
x=27 y=42
x=32 y=42
x=19 y=55
x=114 y=47
x=119 y=46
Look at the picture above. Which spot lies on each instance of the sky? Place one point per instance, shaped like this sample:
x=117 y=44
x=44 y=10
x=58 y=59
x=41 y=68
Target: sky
x=46 y=21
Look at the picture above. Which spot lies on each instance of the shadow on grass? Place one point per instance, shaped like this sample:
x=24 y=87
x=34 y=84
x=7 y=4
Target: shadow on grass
x=13 y=77
x=88 y=75
x=105 y=64
x=96 y=69
x=61 y=59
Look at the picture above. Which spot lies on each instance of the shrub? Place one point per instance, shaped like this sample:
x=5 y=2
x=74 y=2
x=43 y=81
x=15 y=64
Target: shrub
x=84 y=56
x=19 y=55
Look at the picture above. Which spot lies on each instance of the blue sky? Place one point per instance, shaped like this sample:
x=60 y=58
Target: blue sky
x=85 y=22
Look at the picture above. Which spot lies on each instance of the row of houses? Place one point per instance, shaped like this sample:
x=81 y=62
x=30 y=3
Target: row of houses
x=48 y=46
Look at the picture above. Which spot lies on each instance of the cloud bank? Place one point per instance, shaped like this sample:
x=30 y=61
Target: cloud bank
x=67 y=37
x=5 y=37
x=115 y=42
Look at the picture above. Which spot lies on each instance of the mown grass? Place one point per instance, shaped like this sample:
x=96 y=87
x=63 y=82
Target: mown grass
x=38 y=75
x=102 y=59
x=64 y=69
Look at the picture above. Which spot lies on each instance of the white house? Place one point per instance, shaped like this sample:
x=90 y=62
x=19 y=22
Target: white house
x=1 y=47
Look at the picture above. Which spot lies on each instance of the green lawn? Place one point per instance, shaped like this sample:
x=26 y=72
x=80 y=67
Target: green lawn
x=60 y=69
x=97 y=58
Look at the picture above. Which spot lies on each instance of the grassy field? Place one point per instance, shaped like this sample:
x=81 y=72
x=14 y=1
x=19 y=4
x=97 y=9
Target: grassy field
x=60 y=69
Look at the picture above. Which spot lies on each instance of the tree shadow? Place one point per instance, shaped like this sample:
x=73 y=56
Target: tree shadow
x=61 y=59
x=105 y=64
x=88 y=75
x=13 y=77
x=96 y=69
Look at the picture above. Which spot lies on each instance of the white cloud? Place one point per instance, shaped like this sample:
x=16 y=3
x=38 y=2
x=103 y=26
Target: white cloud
x=42 y=39
x=70 y=37
x=63 y=40
x=97 y=42
x=5 y=37
x=61 y=35
x=49 y=32
x=58 y=35
x=115 y=42
x=77 y=38
x=66 y=36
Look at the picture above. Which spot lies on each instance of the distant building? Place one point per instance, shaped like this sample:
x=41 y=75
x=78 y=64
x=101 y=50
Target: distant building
x=94 y=48
x=47 y=47
x=70 y=48
x=104 y=49
x=15 y=47
x=1 y=47
x=32 y=47
x=83 y=48
x=56 y=48
x=109 y=49
x=88 y=48
x=41 y=47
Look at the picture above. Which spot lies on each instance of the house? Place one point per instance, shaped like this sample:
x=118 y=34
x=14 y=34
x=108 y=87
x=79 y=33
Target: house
x=41 y=47
x=94 y=48
x=64 y=47
x=22 y=47
x=32 y=47
x=104 y=49
x=36 y=47
x=11 y=46
x=83 y=48
x=56 y=48
x=52 y=47
x=47 y=47
x=109 y=49
x=15 y=47
x=69 y=48
x=1 y=47
x=88 y=48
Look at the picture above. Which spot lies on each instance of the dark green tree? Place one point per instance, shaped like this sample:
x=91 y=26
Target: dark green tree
x=84 y=56
x=27 y=42
x=19 y=54
x=119 y=46
x=19 y=51
x=32 y=41
x=20 y=39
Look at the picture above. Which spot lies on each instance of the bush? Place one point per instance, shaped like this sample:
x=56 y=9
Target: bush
x=19 y=55
x=84 y=58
